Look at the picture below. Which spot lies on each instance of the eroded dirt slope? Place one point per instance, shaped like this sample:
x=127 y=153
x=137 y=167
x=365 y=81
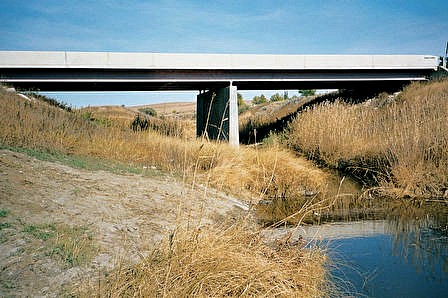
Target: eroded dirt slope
x=125 y=214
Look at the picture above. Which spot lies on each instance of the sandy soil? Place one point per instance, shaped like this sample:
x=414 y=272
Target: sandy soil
x=126 y=214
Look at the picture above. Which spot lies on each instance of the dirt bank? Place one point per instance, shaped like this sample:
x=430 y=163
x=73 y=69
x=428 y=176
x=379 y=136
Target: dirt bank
x=125 y=214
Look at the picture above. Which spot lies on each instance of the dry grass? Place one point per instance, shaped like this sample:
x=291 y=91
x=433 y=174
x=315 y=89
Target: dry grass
x=217 y=261
x=269 y=173
x=268 y=117
x=184 y=110
x=110 y=112
x=404 y=143
x=204 y=261
x=173 y=126
x=74 y=245
x=123 y=117
x=247 y=171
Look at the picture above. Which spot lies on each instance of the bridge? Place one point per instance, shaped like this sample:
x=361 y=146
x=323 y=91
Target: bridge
x=216 y=76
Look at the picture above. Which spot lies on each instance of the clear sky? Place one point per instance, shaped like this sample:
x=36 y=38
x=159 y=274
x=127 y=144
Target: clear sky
x=264 y=27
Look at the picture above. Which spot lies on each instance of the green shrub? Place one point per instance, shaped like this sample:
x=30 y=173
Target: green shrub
x=307 y=92
x=242 y=106
x=279 y=97
x=148 y=111
x=3 y=213
x=259 y=99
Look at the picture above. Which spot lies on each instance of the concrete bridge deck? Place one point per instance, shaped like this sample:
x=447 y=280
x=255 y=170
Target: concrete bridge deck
x=103 y=71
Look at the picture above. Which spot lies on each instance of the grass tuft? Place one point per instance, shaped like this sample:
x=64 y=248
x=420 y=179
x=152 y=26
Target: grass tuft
x=4 y=213
x=73 y=245
x=217 y=261
x=4 y=225
x=42 y=232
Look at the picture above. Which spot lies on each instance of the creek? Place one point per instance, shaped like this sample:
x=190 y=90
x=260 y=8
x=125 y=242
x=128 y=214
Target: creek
x=377 y=258
x=403 y=252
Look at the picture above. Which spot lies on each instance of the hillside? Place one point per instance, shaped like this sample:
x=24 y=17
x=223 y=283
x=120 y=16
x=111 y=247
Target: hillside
x=183 y=109
x=124 y=214
x=119 y=113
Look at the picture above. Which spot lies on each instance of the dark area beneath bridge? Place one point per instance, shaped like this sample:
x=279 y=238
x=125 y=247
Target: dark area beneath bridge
x=196 y=86
x=69 y=79
x=252 y=132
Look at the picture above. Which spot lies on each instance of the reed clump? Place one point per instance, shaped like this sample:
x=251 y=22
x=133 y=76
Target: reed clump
x=216 y=261
x=400 y=145
x=171 y=126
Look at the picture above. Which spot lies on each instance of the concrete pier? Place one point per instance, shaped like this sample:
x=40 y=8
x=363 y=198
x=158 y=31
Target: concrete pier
x=217 y=114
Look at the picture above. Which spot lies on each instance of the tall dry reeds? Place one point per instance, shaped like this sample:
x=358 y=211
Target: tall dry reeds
x=403 y=143
x=219 y=261
x=258 y=122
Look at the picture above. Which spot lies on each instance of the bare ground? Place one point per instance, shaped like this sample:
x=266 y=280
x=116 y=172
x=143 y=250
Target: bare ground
x=126 y=214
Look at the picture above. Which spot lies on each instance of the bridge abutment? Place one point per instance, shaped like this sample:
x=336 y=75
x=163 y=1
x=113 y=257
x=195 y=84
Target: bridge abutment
x=217 y=115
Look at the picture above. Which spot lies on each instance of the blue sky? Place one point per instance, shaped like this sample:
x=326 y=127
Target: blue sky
x=266 y=27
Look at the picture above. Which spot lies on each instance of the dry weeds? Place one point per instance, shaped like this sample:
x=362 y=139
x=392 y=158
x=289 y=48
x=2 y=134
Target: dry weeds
x=247 y=171
x=220 y=261
x=404 y=143
x=200 y=260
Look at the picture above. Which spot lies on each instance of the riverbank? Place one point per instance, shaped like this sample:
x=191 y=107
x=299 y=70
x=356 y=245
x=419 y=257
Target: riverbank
x=397 y=143
x=63 y=228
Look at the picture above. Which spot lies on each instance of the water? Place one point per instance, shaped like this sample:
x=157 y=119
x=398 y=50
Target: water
x=381 y=247
x=382 y=258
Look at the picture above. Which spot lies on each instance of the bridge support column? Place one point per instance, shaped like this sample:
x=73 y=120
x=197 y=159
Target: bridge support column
x=217 y=115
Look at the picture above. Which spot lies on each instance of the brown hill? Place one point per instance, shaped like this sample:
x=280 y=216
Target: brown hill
x=110 y=112
x=183 y=109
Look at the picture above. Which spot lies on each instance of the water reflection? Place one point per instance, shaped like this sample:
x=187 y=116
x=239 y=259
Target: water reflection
x=374 y=266
x=405 y=254
x=398 y=249
x=420 y=234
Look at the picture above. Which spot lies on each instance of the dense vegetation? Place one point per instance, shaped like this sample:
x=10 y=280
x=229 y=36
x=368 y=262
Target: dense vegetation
x=223 y=261
x=398 y=144
x=148 y=111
